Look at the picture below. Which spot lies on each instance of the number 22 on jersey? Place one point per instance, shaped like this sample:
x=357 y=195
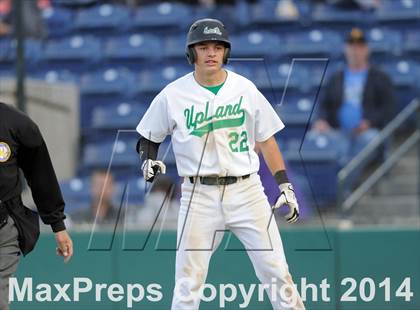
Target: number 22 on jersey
x=238 y=142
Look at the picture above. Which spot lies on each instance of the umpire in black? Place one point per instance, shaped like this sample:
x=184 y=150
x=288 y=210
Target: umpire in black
x=22 y=146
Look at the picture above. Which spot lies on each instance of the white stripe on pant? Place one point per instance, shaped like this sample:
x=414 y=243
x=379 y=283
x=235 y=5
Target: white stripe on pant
x=244 y=210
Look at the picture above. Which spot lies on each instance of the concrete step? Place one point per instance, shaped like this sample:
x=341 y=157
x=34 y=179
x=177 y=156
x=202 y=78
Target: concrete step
x=388 y=206
x=398 y=185
x=406 y=166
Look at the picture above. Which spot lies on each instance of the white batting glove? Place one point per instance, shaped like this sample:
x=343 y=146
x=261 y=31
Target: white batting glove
x=288 y=197
x=151 y=168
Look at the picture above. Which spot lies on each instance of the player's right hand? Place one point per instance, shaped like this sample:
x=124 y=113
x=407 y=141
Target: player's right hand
x=151 y=168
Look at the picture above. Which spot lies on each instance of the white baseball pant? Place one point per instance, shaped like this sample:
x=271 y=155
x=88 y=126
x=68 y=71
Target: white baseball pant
x=242 y=208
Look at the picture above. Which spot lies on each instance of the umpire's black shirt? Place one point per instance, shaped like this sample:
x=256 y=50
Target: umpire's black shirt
x=22 y=146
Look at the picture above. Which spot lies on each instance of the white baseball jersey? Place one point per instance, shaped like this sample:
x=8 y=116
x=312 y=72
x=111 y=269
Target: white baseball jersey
x=211 y=134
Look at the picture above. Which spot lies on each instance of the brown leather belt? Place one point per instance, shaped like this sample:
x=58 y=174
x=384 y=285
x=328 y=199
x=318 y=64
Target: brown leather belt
x=218 y=180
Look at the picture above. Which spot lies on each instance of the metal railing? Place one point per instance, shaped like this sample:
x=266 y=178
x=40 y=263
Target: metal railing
x=347 y=203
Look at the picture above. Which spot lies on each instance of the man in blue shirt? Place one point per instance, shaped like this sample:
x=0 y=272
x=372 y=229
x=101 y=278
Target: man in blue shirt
x=358 y=101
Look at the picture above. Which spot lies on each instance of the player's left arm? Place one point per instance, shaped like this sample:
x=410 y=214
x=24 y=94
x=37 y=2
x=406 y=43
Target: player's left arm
x=274 y=160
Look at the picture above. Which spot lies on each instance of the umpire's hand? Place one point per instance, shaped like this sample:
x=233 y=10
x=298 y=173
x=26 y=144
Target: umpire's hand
x=64 y=245
x=288 y=197
x=151 y=168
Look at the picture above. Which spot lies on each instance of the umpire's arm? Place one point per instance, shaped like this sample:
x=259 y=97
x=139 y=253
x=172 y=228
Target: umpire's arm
x=35 y=162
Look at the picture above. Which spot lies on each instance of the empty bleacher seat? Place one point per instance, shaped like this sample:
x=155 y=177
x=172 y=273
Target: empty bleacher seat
x=74 y=3
x=174 y=47
x=336 y=17
x=118 y=82
x=76 y=193
x=136 y=190
x=75 y=53
x=56 y=76
x=384 y=41
x=317 y=161
x=166 y=153
x=154 y=80
x=59 y=21
x=240 y=68
x=116 y=154
x=405 y=75
x=295 y=109
x=295 y=112
x=106 y=18
x=277 y=76
x=124 y=115
x=133 y=47
x=314 y=42
x=256 y=44
x=33 y=51
x=274 y=12
x=412 y=43
x=170 y=17
x=398 y=11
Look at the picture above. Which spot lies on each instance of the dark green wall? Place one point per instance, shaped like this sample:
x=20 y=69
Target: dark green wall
x=314 y=254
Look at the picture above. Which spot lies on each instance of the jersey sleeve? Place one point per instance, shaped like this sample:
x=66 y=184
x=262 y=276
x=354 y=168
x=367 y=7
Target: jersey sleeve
x=267 y=122
x=155 y=124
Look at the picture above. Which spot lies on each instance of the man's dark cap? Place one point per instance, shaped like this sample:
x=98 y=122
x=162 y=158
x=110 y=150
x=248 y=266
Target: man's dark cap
x=356 y=35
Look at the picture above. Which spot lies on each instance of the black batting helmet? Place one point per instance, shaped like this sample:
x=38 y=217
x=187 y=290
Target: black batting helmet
x=206 y=29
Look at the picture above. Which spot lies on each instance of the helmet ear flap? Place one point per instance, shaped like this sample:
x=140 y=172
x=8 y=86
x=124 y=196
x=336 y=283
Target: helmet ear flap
x=226 y=55
x=191 y=55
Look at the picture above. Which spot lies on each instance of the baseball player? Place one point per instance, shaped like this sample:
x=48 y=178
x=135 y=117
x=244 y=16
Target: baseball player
x=216 y=118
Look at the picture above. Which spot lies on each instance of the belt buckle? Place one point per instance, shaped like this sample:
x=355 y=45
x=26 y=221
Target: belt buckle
x=226 y=180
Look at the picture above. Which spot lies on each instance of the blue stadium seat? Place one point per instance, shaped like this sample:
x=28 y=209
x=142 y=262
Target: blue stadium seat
x=317 y=161
x=119 y=82
x=125 y=115
x=59 y=21
x=280 y=75
x=33 y=51
x=153 y=80
x=56 y=76
x=295 y=112
x=99 y=155
x=76 y=53
x=170 y=17
x=76 y=193
x=256 y=44
x=174 y=47
x=74 y=3
x=405 y=75
x=133 y=48
x=166 y=153
x=384 y=42
x=270 y=12
x=323 y=14
x=314 y=42
x=412 y=43
x=137 y=191
x=106 y=18
x=240 y=68
x=398 y=11
x=5 y=62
